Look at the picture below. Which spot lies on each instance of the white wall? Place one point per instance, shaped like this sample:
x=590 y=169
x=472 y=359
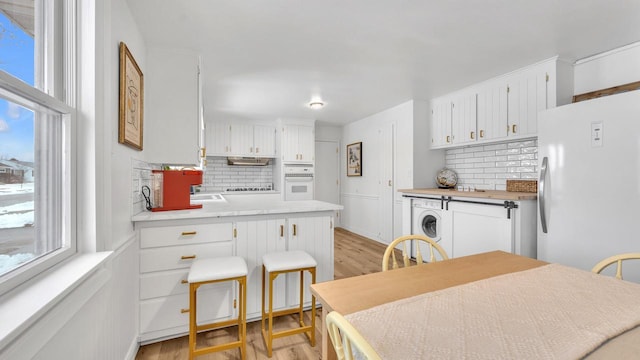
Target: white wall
x=616 y=67
x=99 y=319
x=414 y=166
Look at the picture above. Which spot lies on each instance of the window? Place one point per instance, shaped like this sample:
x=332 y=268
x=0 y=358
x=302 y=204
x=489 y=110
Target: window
x=36 y=138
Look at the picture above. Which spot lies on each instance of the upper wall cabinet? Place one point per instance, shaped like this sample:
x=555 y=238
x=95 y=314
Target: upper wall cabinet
x=241 y=139
x=173 y=109
x=503 y=108
x=298 y=143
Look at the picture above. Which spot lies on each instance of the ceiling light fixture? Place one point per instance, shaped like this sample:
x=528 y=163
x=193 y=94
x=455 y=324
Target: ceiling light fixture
x=315 y=105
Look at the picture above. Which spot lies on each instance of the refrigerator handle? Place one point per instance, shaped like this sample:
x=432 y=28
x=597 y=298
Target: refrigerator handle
x=541 y=194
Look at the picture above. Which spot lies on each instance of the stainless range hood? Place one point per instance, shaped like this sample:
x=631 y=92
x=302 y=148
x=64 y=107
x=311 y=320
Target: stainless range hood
x=247 y=161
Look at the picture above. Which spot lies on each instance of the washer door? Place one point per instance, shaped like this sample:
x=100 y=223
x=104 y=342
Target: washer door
x=430 y=226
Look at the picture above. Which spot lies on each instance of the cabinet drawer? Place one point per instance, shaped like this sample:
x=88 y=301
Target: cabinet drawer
x=164 y=283
x=185 y=234
x=215 y=302
x=172 y=257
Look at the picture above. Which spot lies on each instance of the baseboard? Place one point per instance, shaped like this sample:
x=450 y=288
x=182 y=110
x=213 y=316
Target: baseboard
x=133 y=349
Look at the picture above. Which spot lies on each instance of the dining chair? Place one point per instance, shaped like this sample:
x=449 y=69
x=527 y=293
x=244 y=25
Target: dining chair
x=347 y=341
x=406 y=255
x=615 y=259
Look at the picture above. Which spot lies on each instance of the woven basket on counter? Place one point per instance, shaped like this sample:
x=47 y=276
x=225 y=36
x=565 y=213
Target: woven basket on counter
x=529 y=186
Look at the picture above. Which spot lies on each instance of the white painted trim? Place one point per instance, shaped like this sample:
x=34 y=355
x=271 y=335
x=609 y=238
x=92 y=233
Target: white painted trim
x=133 y=349
x=607 y=53
x=360 y=196
x=24 y=307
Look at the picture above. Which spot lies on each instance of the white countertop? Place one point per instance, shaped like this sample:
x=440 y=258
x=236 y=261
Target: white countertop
x=240 y=205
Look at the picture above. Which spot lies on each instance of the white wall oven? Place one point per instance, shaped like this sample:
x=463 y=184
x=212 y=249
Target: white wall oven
x=298 y=182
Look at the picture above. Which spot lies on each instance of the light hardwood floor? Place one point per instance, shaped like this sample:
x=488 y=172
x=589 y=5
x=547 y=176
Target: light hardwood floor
x=354 y=255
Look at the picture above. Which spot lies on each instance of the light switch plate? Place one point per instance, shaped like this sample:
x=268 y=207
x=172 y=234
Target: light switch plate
x=596 y=134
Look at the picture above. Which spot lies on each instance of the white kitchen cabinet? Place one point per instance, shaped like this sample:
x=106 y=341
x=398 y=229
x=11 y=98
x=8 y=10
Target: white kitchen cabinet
x=166 y=253
x=475 y=226
x=240 y=139
x=492 y=111
x=463 y=118
x=298 y=143
x=172 y=126
x=441 y=122
x=256 y=238
x=527 y=95
x=507 y=106
x=315 y=236
x=264 y=141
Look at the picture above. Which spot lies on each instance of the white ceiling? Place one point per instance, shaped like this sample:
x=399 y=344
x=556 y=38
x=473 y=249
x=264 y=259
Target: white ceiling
x=268 y=59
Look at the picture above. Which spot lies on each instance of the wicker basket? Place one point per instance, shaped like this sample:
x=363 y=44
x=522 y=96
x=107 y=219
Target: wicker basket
x=529 y=186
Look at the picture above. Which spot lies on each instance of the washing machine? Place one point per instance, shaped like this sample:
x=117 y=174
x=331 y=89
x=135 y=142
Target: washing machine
x=426 y=220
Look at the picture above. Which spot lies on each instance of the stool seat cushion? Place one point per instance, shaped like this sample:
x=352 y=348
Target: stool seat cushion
x=287 y=260
x=217 y=269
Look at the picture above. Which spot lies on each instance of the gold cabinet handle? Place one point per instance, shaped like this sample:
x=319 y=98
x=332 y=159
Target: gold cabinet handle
x=182 y=311
x=251 y=149
x=472 y=135
x=183 y=281
x=187 y=257
x=203 y=152
x=448 y=139
x=481 y=133
x=295 y=230
x=257 y=150
x=188 y=233
x=235 y=233
x=389 y=182
x=513 y=128
x=281 y=230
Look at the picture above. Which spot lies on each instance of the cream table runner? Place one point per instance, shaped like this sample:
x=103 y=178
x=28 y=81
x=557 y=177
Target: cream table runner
x=550 y=312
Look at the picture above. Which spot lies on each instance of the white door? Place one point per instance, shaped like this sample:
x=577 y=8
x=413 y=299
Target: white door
x=387 y=183
x=327 y=172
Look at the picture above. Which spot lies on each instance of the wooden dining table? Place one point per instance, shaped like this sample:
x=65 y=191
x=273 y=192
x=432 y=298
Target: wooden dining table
x=360 y=293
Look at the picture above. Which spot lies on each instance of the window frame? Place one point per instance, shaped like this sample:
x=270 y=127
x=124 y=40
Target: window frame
x=53 y=92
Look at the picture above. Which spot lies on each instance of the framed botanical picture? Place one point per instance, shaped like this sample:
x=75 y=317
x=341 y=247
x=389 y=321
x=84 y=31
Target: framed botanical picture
x=354 y=159
x=131 y=100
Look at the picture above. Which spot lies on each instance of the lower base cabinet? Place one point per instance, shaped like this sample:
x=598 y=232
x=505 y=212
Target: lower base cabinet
x=480 y=227
x=169 y=247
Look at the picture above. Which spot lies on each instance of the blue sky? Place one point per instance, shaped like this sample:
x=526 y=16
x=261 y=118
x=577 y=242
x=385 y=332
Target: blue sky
x=16 y=123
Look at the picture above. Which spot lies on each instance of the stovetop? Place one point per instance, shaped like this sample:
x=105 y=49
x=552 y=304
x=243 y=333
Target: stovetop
x=249 y=189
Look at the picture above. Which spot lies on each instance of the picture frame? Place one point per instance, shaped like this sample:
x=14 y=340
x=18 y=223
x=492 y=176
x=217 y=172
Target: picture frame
x=131 y=100
x=605 y=92
x=354 y=159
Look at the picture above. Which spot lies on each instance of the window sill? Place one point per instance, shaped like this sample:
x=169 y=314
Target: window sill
x=23 y=307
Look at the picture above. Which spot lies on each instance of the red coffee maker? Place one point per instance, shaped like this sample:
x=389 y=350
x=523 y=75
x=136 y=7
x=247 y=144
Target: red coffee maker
x=172 y=189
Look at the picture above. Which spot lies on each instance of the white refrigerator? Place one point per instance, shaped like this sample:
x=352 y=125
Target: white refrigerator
x=589 y=184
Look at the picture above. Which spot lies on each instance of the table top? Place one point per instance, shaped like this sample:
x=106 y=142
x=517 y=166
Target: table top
x=383 y=287
x=355 y=294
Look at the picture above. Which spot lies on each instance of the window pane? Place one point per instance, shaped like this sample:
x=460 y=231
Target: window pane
x=31 y=173
x=17 y=227
x=17 y=39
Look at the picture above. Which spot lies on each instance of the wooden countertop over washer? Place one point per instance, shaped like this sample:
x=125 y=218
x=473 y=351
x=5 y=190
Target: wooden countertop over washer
x=486 y=194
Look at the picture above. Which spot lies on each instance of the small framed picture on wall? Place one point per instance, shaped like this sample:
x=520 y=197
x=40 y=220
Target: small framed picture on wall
x=354 y=159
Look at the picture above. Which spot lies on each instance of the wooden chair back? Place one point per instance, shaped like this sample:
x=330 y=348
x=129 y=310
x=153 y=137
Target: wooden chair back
x=346 y=340
x=618 y=259
x=434 y=248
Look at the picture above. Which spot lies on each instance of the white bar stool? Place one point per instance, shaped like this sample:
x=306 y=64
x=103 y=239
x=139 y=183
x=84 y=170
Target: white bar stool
x=282 y=263
x=207 y=271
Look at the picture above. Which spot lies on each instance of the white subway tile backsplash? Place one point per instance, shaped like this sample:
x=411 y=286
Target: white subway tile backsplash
x=495 y=147
x=508 y=152
x=489 y=166
x=219 y=176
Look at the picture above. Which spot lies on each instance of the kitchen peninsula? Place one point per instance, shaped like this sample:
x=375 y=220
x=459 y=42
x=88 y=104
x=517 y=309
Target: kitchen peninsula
x=244 y=225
